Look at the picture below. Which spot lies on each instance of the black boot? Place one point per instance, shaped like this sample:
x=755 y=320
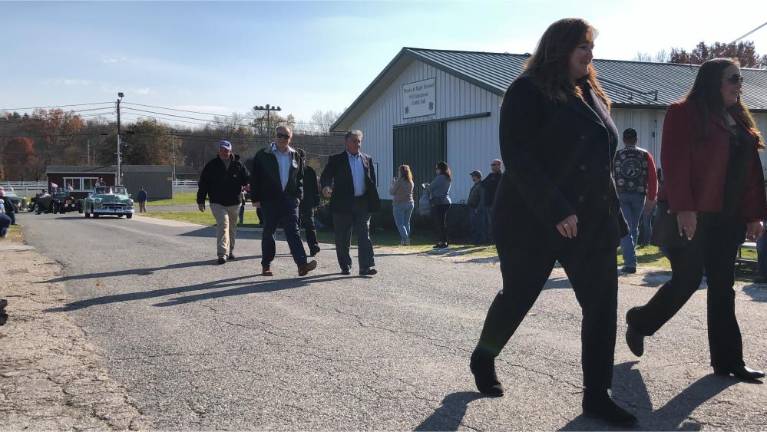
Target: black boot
x=742 y=373
x=634 y=339
x=597 y=404
x=483 y=368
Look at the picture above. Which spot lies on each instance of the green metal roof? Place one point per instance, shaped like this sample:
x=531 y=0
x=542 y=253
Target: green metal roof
x=627 y=83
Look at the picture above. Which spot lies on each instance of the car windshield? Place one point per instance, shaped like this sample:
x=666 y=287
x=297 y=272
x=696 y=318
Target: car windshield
x=107 y=190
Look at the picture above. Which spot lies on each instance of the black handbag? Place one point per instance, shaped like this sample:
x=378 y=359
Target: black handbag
x=665 y=231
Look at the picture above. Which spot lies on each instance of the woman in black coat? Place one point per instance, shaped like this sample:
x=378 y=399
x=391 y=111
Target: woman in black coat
x=557 y=202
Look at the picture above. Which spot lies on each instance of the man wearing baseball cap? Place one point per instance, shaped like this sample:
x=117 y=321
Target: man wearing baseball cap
x=637 y=184
x=221 y=181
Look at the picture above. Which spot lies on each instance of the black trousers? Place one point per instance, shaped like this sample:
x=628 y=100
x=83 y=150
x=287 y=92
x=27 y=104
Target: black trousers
x=307 y=222
x=715 y=248
x=439 y=215
x=593 y=275
x=359 y=221
x=281 y=212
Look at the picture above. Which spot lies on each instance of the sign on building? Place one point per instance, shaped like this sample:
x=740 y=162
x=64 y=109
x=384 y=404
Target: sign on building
x=419 y=98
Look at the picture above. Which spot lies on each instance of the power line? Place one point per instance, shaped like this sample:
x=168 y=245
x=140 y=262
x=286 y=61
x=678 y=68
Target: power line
x=177 y=109
x=749 y=33
x=54 y=106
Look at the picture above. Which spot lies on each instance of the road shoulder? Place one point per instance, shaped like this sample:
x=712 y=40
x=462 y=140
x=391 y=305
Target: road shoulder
x=51 y=377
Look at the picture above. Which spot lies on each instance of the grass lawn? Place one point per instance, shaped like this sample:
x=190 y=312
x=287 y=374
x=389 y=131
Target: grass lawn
x=198 y=217
x=179 y=198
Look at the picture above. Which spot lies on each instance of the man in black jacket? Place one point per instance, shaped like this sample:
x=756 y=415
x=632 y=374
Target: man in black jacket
x=310 y=202
x=222 y=180
x=277 y=187
x=490 y=185
x=349 y=180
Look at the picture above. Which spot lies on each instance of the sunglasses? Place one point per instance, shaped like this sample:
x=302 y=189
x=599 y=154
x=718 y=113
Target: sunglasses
x=735 y=79
x=283 y=136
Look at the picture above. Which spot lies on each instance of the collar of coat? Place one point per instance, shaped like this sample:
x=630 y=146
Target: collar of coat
x=272 y=148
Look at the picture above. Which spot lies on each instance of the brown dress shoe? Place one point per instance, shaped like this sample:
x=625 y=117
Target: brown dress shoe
x=266 y=271
x=306 y=268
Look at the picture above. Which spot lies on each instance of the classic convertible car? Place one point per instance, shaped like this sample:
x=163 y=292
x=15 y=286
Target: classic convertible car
x=108 y=200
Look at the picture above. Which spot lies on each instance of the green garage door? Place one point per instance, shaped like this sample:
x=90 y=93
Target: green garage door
x=420 y=146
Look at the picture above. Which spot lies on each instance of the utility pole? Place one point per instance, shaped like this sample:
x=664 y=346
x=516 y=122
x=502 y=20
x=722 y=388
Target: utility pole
x=88 y=154
x=268 y=108
x=118 y=179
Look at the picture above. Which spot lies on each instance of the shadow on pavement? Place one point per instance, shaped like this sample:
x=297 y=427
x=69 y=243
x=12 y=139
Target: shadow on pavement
x=449 y=415
x=757 y=292
x=241 y=289
x=143 y=271
x=268 y=285
x=631 y=392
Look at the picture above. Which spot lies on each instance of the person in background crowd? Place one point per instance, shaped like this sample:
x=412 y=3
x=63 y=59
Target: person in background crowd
x=714 y=185
x=477 y=209
x=557 y=202
x=99 y=183
x=439 y=200
x=221 y=181
x=10 y=209
x=243 y=201
x=349 y=180
x=308 y=205
x=761 y=257
x=277 y=187
x=490 y=185
x=635 y=178
x=141 y=198
x=401 y=190
x=5 y=221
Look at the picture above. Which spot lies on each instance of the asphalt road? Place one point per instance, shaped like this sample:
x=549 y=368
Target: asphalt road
x=201 y=346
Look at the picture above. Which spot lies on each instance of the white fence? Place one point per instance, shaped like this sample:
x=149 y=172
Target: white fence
x=25 y=188
x=184 y=185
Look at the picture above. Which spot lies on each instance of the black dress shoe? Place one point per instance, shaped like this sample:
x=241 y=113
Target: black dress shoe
x=368 y=272
x=742 y=373
x=231 y=257
x=598 y=405
x=314 y=250
x=221 y=260
x=483 y=369
x=634 y=339
x=346 y=271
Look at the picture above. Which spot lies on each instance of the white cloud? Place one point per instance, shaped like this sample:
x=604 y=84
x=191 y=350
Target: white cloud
x=114 y=59
x=69 y=82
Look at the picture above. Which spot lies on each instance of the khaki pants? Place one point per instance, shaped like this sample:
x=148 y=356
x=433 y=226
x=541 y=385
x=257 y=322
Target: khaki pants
x=226 y=227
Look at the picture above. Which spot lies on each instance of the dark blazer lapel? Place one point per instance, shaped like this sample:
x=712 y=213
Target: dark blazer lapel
x=581 y=107
x=344 y=158
x=274 y=167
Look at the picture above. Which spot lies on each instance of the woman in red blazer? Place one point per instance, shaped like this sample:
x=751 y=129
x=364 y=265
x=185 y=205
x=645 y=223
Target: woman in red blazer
x=715 y=187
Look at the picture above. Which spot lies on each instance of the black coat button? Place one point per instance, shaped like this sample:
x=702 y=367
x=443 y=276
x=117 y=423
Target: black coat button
x=581 y=199
x=582 y=167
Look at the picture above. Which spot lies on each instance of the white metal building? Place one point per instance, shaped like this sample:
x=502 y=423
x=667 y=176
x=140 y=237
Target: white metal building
x=430 y=105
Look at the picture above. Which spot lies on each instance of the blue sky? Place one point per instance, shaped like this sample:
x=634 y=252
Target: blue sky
x=304 y=56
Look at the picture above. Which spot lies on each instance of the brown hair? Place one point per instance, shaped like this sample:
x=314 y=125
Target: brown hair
x=404 y=172
x=549 y=65
x=706 y=95
x=444 y=169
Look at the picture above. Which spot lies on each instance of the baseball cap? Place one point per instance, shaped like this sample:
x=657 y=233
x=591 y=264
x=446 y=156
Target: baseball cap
x=475 y=173
x=225 y=144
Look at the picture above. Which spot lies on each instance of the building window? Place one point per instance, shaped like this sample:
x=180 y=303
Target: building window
x=80 y=184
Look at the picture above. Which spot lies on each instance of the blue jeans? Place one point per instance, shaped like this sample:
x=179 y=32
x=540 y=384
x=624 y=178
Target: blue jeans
x=402 y=212
x=281 y=212
x=5 y=222
x=632 y=205
x=478 y=221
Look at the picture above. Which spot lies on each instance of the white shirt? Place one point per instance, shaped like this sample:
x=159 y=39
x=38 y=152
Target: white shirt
x=358 y=173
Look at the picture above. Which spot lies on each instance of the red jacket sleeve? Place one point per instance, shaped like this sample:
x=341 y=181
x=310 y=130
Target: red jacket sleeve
x=676 y=158
x=652 y=179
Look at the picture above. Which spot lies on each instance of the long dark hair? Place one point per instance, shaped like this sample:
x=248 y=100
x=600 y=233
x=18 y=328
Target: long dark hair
x=706 y=95
x=550 y=64
x=444 y=170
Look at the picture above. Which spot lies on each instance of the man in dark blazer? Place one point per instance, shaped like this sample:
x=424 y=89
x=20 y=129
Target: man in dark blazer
x=276 y=186
x=349 y=181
